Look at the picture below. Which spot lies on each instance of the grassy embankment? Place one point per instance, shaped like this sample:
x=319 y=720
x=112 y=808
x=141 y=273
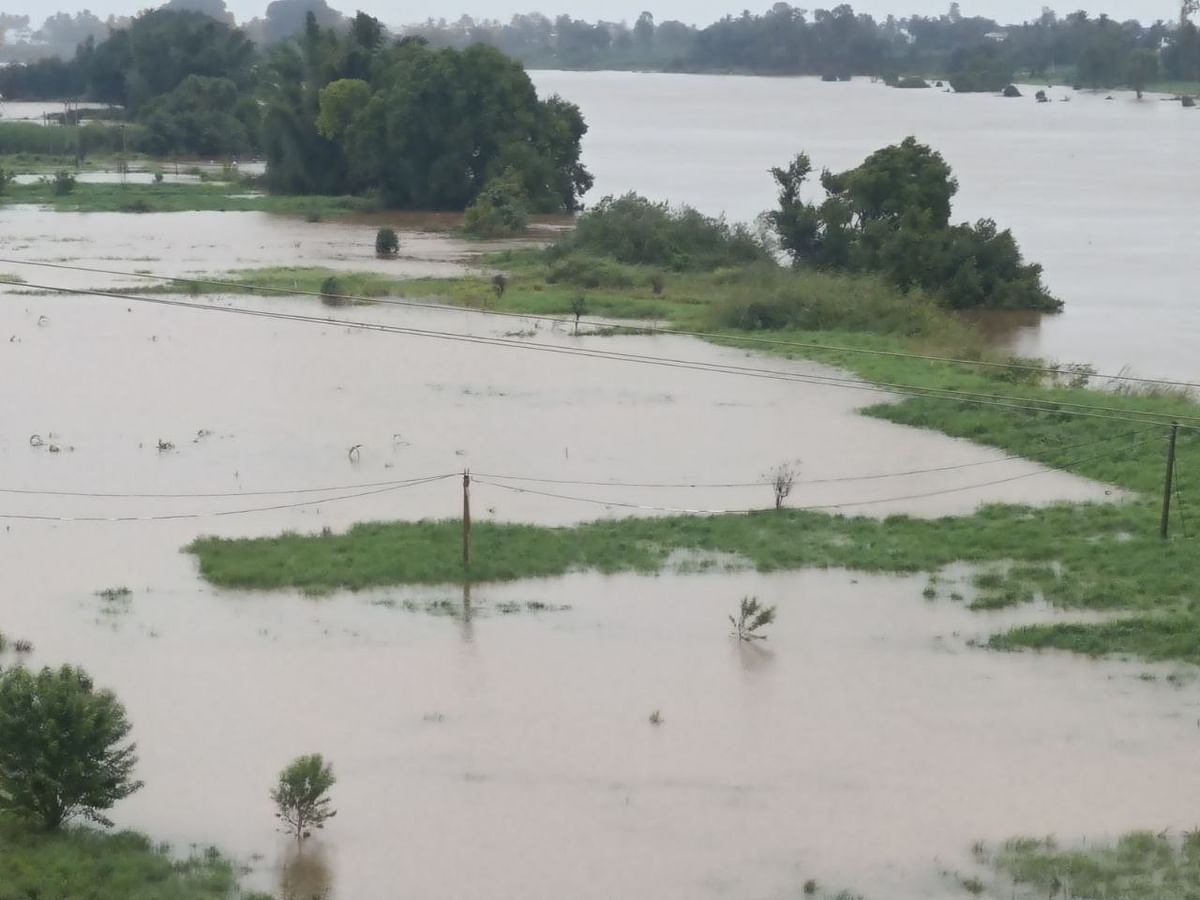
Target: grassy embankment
x=1089 y=556
x=167 y=197
x=84 y=863
x=1066 y=78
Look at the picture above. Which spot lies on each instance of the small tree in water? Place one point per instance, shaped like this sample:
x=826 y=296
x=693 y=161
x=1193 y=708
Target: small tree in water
x=752 y=616
x=301 y=796
x=783 y=479
x=387 y=242
x=578 y=308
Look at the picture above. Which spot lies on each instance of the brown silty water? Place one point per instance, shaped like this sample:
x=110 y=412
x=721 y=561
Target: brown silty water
x=511 y=754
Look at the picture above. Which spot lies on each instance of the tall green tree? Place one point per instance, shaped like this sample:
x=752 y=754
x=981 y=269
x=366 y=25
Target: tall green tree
x=1143 y=69
x=891 y=215
x=63 y=747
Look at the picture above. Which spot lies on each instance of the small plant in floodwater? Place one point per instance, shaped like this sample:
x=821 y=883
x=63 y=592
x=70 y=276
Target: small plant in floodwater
x=387 y=242
x=312 y=216
x=656 y=717
x=113 y=594
x=22 y=646
x=331 y=292
x=752 y=617
x=64 y=182
x=930 y=591
x=579 y=307
x=301 y=796
x=810 y=887
x=6 y=178
x=783 y=479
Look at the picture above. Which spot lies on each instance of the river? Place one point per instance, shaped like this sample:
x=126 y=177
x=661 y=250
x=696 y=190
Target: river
x=1102 y=193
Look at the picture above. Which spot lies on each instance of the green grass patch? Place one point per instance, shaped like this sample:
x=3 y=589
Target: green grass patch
x=1139 y=866
x=1099 y=556
x=83 y=863
x=213 y=196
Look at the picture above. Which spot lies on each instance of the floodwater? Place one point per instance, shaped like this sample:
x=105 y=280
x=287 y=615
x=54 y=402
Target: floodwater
x=510 y=755
x=212 y=243
x=34 y=111
x=1102 y=193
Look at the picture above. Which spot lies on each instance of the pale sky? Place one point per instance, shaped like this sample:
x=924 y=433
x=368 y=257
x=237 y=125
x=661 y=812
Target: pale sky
x=693 y=11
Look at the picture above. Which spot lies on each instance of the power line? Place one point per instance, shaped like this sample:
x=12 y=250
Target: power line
x=423 y=479
x=419 y=304
x=815 y=481
x=216 y=515
x=1021 y=403
x=218 y=494
x=816 y=508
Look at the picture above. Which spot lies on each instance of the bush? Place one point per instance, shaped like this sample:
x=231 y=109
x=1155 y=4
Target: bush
x=589 y=272
x=387 y=242
x=500 y=210
x=767 y=297
x=64 y=182
x=637 y=231
x=6 y=178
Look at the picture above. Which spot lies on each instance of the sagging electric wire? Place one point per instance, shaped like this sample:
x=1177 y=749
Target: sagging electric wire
x=814 y=508
x=168 y=517
x=215 y=495
x=244 y=287
x=1001 y=401
x=879 y=476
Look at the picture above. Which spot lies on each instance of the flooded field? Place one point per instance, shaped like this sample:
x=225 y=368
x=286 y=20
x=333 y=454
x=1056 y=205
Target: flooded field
x=1101 y=192
x=508 y=752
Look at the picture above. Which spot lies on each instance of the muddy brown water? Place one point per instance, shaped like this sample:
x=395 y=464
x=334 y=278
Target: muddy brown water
x=1102 y=193
x=511 y=755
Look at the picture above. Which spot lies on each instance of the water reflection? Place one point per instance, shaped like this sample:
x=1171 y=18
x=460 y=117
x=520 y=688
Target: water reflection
x=306 y=873
x=1013 y=330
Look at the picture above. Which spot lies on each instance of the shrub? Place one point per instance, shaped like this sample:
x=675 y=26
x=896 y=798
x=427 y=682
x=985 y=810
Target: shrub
x=637 y=231
x=500 y=210
x=6 y=178
x=589 y=272
x=387 y=242
x=331 y=292
x=64 y=182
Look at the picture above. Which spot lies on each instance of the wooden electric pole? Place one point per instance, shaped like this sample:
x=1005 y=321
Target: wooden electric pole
x=466 y=522
x=1164 y=528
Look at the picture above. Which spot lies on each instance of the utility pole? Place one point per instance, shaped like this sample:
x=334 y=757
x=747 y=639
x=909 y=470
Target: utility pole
x=1164 y=528
x=466 y=521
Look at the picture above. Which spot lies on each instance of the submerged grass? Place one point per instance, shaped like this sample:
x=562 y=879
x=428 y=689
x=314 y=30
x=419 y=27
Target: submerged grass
x=1098 y=556
x=83 y=863
x=1139 y=866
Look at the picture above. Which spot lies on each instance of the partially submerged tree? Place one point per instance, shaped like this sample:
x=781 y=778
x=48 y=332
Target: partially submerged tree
x=63 y=748
x=579 y=307
x=751 y=618
x=387 y=242
x=302 y=796
x=783 y=479
x=1143 y=69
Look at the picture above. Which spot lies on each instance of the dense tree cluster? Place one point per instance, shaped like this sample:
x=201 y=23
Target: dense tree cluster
x=420 y=127
x=336 y=110
x=891 y=216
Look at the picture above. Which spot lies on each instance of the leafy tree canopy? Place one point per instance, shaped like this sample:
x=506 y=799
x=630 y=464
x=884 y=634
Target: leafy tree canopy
x=63 y=749
x=891 y=215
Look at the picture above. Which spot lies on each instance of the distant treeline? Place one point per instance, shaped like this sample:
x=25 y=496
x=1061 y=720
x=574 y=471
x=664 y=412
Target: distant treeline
x=837 y=43
x=973 y=52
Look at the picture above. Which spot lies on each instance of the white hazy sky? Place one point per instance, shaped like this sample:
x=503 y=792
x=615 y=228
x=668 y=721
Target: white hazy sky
x=695 y=11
